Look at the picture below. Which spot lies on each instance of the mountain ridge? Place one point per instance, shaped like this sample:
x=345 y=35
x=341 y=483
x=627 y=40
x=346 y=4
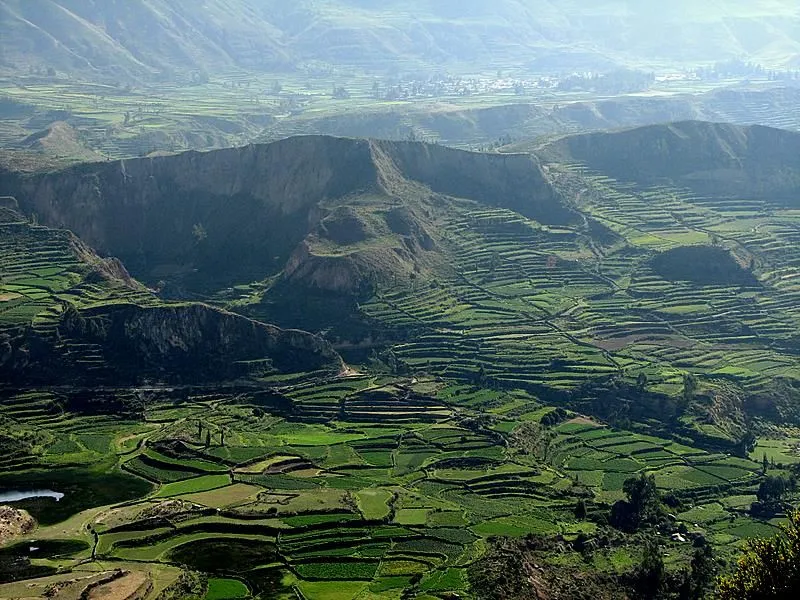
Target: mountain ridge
x=103 y=39
x=702 y=156
x=130 y=208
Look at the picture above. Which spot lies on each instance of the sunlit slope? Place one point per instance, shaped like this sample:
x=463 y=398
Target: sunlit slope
x=157 y=39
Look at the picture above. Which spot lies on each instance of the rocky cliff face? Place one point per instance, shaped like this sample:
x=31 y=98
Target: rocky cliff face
x=514 y=181
x=196 y=341
x=125 y=344
x=238 y=208
x=244 y=214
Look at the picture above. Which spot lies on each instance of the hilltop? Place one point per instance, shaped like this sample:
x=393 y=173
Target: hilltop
x=708 y=158
x=59 y=141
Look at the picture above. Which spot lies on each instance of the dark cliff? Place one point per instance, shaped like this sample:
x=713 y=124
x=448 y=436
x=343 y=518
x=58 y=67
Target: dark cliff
x=244 y=214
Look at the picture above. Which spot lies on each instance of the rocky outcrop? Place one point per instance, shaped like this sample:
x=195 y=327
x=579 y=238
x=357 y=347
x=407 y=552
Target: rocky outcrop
x=702 y=265
x=125 y=344
x=14 y=523
x=193 y=343
x=514 y=181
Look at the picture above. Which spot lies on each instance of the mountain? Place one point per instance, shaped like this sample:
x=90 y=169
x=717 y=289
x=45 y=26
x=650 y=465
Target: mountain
x=553 y=267
x=329 y=213
x=177 y=40
x=707 y=158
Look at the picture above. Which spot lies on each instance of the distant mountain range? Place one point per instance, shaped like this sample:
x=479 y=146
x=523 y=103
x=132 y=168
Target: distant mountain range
x=174 y=39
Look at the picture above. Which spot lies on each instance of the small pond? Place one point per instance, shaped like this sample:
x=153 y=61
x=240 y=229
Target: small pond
x=17 y=496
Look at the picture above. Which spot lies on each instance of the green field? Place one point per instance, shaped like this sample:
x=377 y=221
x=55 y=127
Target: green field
x=226 y=589
x=289 y=528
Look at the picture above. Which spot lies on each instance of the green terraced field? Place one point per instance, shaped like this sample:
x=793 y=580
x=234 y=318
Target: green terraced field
x=313 y=515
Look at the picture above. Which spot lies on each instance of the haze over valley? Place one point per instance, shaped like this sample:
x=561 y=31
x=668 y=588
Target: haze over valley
x=355 y=300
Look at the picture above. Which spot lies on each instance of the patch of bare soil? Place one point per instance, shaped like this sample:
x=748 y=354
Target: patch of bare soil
x=168 y=508
x=131 y=585
x=618 y=343
x=583 y=421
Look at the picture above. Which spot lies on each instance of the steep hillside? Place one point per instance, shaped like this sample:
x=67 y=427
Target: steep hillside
x=243 y=214
x=68 y=316
x=705 y=157
x=160 y=39
x=147 y=39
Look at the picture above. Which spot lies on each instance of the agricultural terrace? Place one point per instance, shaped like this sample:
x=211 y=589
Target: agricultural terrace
x=336 y=501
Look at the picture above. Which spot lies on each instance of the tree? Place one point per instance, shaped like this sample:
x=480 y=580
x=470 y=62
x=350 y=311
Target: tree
x=772 y=490
x=769 y=568
x=208 y=438
x=580 y=509
x=340 y=93
x=689 y=387
x=746 y=444
x=480 y=377
x=698 y=581
x=641 y=381
x=650 y=577
x=643 y=495
x=764 y=464
x=199 y=232
x=643 y=503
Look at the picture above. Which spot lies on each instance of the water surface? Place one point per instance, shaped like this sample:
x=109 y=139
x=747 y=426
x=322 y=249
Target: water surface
x=16 y=496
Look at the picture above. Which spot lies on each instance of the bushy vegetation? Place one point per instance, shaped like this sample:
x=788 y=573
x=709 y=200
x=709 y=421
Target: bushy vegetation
x=769 y=568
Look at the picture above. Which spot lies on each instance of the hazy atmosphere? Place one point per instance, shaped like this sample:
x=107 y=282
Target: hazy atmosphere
x=393 y=300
